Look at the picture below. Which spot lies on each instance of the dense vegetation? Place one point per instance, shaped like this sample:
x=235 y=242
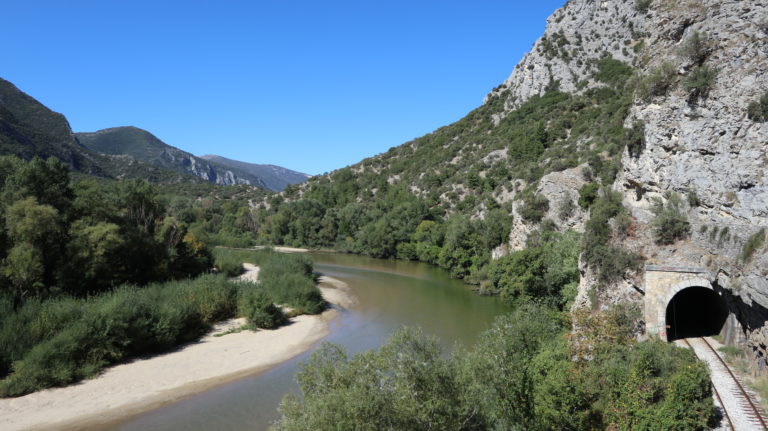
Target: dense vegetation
x=287 y=279
x=57 y=341
x=87 y=270
x=83 y=238
x=524 y=373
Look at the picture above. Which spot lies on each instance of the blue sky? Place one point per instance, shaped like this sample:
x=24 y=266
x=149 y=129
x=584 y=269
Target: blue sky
x=312 y=86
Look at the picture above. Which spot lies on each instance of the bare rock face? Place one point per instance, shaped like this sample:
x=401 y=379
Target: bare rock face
x=577 y=35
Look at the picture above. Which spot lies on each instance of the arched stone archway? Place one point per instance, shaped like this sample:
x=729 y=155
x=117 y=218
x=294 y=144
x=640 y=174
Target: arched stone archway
x=662 y=283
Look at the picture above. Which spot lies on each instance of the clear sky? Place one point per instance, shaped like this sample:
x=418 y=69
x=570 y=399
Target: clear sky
x=309 y=85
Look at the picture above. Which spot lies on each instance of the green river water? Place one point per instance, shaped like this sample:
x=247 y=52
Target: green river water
x=391 y=294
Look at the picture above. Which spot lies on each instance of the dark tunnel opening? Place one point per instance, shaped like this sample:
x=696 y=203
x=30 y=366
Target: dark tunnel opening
x=695 y=312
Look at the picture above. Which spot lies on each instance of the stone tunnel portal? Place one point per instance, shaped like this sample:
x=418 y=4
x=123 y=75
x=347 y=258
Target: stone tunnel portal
x=695 y=312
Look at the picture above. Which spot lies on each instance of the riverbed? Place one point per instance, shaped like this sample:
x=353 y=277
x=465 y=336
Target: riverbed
x=389 y=295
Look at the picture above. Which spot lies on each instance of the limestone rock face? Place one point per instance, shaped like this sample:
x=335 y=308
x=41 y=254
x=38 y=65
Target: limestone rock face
x=559 y=188
x=711 y=148
x=577 y=35
x=704 y=146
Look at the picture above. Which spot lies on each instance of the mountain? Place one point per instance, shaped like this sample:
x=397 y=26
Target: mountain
x=639 y=124
x=274 y=177
x=145 y=147
x=28 y=129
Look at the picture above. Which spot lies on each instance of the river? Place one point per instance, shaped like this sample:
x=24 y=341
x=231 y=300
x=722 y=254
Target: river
x=391 y=294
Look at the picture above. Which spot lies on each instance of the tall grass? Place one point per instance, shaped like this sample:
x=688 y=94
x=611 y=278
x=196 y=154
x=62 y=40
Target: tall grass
x=60 y=341
x=63 y=340
x=286 y=278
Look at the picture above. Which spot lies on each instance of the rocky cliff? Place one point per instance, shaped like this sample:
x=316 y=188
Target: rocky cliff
x=275 y=178
x=145 y=147
x=698 y=65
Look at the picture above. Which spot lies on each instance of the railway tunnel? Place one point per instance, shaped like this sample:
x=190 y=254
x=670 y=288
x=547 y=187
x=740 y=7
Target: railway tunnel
x=682 y=302
x=695 y=311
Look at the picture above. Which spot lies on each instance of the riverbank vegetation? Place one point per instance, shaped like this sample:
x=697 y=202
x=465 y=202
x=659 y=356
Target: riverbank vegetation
x=526 y=372
x=93 y=272
x=287 y=279
x=60 y=340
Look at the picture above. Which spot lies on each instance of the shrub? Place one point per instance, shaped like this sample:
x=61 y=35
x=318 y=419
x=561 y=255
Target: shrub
x=696 y=48
x=588 y=194
x=642 y=5
x=753 y=243
x=693 y=198
x=699 y=82
x=566 y=208
x=658 y=82
x=610 y=260
x=635 y=139
x=259 y=309
x=613 y=72
x=287 y=278
x=670 y=222
x=228 y=263
x=758 y=110
x=533 y=208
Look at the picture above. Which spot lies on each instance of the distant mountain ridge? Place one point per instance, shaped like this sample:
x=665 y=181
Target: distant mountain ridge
x=276 y=178
x=146 y=147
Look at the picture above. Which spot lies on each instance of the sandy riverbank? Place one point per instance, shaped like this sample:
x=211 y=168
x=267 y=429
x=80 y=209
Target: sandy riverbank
x=146 y=383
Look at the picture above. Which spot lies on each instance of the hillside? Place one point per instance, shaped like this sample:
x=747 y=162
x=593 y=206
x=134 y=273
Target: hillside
x=627 y=119
x=275 y=178
x=145 y=147
x=28 y=128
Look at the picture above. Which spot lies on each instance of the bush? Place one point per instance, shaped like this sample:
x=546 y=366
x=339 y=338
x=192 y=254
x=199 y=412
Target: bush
x=693 y=198
x=658 y=82
x=228 y=263
x=753 y=243
x=588 y=194
x=699 y=82
x=635 y=139
x=286 y=277
x=642 y=5
x=613 y=72
x=696 y=48
x=259 y=309
x=610 y=260
x=533 y=208
x=758 y=110
x=670 y=222
x=521 y=375
x=546 y=271
x=566 y=208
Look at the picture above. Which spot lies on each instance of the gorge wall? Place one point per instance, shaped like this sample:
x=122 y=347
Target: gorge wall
x=699 y=145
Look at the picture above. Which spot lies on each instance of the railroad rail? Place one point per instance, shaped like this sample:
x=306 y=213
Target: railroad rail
x=746 y=406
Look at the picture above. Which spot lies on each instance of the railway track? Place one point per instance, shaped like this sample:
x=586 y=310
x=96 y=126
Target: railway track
x=739 y=409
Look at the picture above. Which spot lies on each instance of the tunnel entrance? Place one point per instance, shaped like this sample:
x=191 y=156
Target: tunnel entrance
x=695 y=312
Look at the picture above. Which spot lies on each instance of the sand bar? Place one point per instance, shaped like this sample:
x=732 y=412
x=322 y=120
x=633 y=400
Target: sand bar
x=147 y=383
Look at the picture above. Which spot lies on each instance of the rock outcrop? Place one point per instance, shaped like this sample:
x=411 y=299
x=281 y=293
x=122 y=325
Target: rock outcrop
x=145 y=147
x=696 y=142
